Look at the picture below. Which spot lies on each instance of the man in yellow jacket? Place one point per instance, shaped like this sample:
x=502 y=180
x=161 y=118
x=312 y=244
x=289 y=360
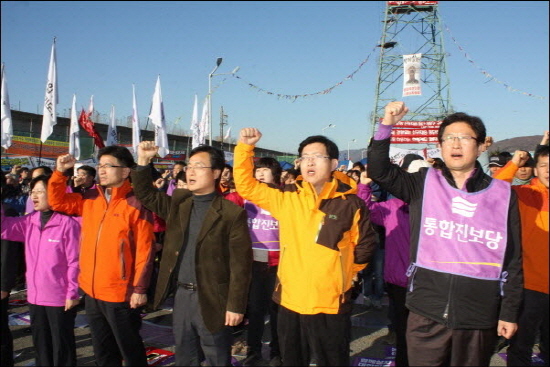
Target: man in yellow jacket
x=533 y=208
x=325 y=239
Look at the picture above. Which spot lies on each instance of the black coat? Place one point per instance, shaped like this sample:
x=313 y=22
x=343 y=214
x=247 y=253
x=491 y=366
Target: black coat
x=223 y=254
x=456 y=301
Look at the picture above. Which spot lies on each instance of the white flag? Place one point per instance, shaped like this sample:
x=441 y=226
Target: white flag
x=135 y=121
x=112 y=138
x=157 y=117
x=227 y=134
x=7 y=124
x=195 y=124
x=205 y=122
x=74 y=139
x=50 y=101
x=91 y=106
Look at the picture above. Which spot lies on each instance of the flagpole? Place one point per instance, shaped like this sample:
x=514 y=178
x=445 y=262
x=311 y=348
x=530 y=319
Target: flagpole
x=40 y=153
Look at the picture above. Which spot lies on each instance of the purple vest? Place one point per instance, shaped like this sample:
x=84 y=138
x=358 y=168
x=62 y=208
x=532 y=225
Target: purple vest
x=263 y=228
x=463 y=233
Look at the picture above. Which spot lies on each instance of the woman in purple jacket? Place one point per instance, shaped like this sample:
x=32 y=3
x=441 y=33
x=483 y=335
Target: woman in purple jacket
x=393 y=214
x=51 y=251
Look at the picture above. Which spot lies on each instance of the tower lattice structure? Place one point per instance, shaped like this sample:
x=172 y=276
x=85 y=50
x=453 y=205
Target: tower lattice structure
x=412 y=27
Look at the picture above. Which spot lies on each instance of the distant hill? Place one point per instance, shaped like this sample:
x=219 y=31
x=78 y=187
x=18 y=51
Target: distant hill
x=528 y=143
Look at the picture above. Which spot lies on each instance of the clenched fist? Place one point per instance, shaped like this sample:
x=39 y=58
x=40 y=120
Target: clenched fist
x=64 y=162
x=520 y=158
x=250 y=136
x=394 y=112
x=146 y=151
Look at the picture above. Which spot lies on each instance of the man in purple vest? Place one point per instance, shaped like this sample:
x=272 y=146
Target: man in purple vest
x=465 y=278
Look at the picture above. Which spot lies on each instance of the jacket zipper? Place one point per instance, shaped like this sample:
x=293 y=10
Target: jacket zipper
x=35 y=300
x=97 y=241
x=446 y=310
x=342 y=294
x=122 y=261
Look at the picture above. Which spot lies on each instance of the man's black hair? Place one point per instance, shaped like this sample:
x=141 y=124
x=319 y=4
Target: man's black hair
x=47 y=170
x=90 y=171
x=217 y=159
x=473 y=121
x=122 y=154
x=542 y=151
x=332 y=148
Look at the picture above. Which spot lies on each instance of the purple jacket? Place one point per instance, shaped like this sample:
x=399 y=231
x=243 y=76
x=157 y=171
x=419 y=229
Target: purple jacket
x=51 y=256
x=393 y=214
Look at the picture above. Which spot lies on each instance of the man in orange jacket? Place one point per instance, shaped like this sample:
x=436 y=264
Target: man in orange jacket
x=116 y=254
x=533 y=208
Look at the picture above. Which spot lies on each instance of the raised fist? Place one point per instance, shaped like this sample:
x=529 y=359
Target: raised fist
x=64 y=162
x=146 y=151
x=364 y=179
x=250 y=136
x=394 y=112
x=520 y=158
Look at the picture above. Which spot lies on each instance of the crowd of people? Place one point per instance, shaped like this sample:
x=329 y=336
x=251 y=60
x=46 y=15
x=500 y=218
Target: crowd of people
x=458 y=244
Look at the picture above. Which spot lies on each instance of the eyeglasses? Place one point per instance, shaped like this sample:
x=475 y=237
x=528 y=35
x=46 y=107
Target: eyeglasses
x=198 y=168
x=463 y=139
x=316 y=157
x=108 y=165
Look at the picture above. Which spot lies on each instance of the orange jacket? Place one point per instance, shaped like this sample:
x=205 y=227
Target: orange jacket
x=533 y=209
x=116 y=247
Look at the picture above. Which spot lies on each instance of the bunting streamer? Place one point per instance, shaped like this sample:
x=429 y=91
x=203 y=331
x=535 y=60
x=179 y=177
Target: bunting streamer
x=491 y=77
x=294 y=97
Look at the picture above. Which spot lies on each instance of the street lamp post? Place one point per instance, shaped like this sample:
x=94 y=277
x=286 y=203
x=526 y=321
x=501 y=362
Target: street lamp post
x=218 y=63
x=349 y=142
x=326 y=127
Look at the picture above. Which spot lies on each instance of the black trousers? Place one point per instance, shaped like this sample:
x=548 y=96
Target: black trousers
x=193 y=339
x=326 y=337
x=260 y=304
x=6 y=352
x=53 y=335
x=398 y=295
x=115 y=333
x=430 y=343
x=532 y=318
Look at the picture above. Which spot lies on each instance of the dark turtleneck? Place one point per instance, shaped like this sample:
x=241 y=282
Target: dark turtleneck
x=201 y=204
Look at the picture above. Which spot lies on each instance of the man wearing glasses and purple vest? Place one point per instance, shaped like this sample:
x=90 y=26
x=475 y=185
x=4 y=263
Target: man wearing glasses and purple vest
x=465 y=278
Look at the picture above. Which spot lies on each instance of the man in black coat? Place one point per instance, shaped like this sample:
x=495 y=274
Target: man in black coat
x=207 y=256
x=466 y=275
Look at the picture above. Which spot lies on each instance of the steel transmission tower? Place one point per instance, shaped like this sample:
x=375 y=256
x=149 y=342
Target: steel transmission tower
x=412 y=27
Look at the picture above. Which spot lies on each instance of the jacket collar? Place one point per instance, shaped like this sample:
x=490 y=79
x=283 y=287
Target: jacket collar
x=477 y=181
x=212 y=216
x=55 y=220
x=538 y=185
x=117 y=192
x=339 y=185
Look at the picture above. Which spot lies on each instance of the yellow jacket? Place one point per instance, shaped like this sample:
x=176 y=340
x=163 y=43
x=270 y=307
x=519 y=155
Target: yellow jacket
x=325 y=239
x=533 y=209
